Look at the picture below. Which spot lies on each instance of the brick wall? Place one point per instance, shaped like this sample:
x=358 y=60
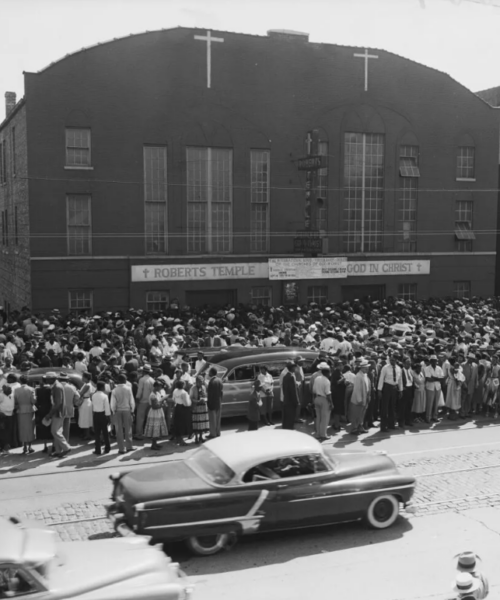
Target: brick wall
x=15 y=274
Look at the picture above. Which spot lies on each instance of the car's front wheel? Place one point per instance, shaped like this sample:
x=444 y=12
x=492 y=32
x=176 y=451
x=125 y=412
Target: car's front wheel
x=382 y=512
x=205 y=545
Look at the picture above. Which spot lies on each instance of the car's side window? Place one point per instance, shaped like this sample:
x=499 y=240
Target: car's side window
x=275 y=368
x=242 y=373
x=289 y=466
x=14 y=582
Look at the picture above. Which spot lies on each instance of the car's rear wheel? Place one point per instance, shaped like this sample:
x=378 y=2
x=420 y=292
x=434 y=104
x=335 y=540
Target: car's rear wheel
x=382 y=512
x=205 y=545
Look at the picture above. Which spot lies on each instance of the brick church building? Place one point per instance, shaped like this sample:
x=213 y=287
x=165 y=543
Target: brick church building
x=215 y=167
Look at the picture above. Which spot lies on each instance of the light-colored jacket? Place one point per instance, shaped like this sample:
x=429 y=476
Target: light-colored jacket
x=361 y=389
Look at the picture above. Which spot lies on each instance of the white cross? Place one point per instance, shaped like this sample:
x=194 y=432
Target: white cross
x=209 y=39
x=366 y=56
x=308 y=143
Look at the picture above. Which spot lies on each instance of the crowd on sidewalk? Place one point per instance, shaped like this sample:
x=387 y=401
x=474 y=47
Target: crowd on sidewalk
x=391 y=363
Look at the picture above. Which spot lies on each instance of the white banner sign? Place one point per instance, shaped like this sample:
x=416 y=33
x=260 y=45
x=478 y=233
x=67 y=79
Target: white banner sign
x=388 y=267
x=200 y=272
x=308 y=268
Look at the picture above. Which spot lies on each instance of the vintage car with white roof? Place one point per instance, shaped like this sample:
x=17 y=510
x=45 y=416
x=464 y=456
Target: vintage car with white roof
x=239 y=366
x=254 y=482
x=35 y=565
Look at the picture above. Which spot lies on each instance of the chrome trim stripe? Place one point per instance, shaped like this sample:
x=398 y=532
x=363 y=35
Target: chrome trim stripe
x=250 y=516
x=402 y=487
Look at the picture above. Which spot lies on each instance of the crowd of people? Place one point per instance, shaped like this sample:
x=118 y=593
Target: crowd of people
x=386 y=363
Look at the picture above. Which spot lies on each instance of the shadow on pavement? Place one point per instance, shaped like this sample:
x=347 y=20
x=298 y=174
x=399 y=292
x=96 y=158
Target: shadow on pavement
x=282 y=547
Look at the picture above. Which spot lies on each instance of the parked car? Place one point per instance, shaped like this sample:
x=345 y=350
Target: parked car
x=254 y=482
x=35 y=375
x=240 y=366
x=34 y=564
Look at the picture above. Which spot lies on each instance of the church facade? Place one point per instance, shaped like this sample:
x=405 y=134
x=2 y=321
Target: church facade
x=187 y=166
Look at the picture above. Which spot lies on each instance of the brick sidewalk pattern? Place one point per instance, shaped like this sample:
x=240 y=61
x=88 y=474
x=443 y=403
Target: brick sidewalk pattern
x=436 y=492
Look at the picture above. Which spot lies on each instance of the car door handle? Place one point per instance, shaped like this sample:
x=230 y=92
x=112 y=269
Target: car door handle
x=281 y=485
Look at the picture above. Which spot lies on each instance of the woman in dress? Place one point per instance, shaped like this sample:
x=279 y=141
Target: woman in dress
x=454 y=389
x=182 y=413
x=419 y=398
x=85 y=415
x=24 y=402
x=43 y=406
x=198 y=395
x=156 y=425
x=266 y=394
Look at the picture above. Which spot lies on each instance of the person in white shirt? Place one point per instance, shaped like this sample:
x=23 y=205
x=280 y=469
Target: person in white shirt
x=390 y=389
x=433 y=377
x=405 y=403
x=266 y=394
x=322 y=400
x=329 y=344
x=200 y=362
x=101 y=414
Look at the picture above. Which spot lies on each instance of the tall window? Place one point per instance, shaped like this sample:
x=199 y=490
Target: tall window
x=318 y=294
x=322 y=189
x=466 y=162
x=259 y=198
x=461 y=289
x=407 y=291
x=464 y=235
x=77 y=147
x=155 y=199
x=210 y=198
x=157 y=301
x=79 y=224
x=408 y=197
x=80 y=300
x=261 y=295
x=13 y=150
x=363 y=192
x=3 y=162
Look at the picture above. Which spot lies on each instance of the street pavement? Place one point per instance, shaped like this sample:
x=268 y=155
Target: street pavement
x=457 y=466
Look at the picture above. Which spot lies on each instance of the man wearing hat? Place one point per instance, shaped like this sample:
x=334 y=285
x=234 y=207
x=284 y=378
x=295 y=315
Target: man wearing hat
x=360 y=398
x=390 y=388
x=322 y=400
x=61 y=446
x=470 y=370
x=467 y=562
x=71 y=397
x=144 y=391
x=467 y=586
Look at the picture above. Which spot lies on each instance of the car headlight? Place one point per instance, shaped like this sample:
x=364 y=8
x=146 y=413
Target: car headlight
x=115 y=476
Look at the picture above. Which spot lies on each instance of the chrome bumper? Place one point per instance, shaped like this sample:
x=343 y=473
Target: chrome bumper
x=117 y=518
x=410 y=507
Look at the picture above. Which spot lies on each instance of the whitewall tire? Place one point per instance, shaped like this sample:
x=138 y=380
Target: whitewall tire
x=382 y=512
x=208 y=544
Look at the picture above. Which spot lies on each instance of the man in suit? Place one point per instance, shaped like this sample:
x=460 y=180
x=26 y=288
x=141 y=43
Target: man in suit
x=214 y=402
x=61 y=446
x=71 y=395
x=470 y=373
x=290 y=397
x=360 y=398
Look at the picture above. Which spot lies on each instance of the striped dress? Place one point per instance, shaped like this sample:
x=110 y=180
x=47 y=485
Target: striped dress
x=199 y=408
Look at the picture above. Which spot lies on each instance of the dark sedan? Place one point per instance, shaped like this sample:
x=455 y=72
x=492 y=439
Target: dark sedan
x=255 y=482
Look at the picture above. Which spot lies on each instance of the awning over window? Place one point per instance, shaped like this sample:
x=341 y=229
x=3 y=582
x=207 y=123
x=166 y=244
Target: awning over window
x=408 y=167
x=463 y=231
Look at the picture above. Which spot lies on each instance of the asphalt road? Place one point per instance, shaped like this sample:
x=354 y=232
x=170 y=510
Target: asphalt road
x=458 y=492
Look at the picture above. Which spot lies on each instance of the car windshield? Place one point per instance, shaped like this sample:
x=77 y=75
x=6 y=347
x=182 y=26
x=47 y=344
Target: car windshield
x=210 y=466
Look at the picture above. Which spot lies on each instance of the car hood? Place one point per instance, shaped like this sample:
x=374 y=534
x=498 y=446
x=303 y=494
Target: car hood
x=112 y=568
x=359 y=463
x=168 y=480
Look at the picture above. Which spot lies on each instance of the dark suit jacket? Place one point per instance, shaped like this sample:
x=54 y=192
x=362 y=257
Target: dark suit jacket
x=57 y=393
x=214 y=393
x=290 y=394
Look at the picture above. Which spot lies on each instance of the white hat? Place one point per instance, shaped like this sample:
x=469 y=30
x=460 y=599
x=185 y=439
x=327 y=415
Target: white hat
x=465 y=583
x=322 y=365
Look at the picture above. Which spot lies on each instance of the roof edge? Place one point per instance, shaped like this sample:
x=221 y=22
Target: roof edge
x=13 y=112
